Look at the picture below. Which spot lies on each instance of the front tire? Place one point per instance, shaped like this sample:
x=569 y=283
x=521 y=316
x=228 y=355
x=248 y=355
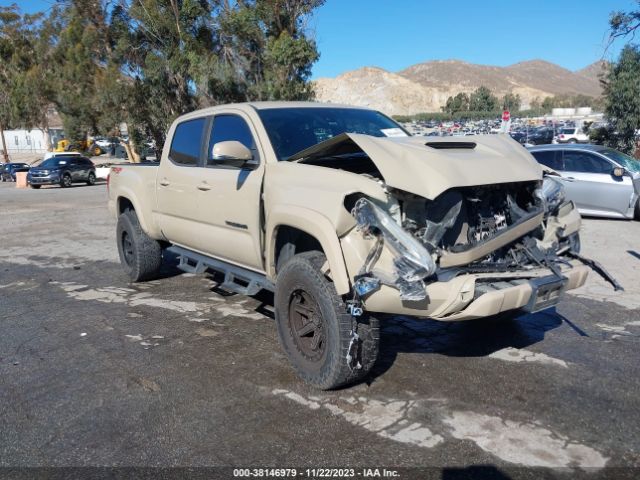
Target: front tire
x=636 y=213
x=315 y=328
x=65 y=181
x=35 y=186
x=140 y=255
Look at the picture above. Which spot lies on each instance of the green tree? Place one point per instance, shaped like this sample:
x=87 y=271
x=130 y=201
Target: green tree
x=622 y=99
x=511 y=102
x=182 y=55
x=623 y=24
x=267 y=48
x=77 y=63
x=482 y=100
x=18 y=72
x=459 y=103
x=145 y=62
x=535 y=103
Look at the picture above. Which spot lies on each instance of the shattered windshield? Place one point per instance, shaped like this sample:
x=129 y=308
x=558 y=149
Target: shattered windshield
x=292 y=130
x=626 y=161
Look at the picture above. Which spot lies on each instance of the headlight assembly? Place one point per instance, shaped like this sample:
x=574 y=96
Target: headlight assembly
x=412 y=261
x=551 y=193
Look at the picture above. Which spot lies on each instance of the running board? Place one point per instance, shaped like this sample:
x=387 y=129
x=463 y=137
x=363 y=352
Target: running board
x=236 y=279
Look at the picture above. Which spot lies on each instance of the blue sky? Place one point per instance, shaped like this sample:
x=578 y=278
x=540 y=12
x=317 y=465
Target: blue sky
x=394 y=34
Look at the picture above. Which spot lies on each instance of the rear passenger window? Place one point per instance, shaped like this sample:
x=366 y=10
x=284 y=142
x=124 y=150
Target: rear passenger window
x=230 y=127
x=551 y=159
x=187 y=138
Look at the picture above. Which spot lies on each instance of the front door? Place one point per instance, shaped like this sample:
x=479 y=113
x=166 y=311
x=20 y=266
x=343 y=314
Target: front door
x=229 y=197
x=589 y=182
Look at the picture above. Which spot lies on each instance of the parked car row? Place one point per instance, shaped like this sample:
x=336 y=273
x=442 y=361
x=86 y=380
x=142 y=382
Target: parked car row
x=61 y=169
x=564 y=132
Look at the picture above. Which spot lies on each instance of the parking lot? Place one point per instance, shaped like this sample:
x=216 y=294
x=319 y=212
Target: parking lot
x=174 y=372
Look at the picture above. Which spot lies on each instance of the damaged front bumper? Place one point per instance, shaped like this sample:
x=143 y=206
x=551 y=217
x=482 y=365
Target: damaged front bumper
x=467 y=296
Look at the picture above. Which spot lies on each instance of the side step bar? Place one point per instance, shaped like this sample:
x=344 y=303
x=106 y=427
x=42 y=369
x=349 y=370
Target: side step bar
x=236 y=279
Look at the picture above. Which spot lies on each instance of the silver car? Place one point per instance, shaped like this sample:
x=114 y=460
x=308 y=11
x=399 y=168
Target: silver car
x=601 y=181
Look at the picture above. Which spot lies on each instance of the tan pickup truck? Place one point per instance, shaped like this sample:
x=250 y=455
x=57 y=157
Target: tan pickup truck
x=342 y=214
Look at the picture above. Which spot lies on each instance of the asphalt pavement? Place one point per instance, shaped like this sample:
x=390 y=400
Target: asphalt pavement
x=96 y=371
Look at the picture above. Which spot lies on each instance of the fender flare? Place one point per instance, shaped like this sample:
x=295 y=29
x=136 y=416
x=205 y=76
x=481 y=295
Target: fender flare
x=144 y=216
x=316 y=225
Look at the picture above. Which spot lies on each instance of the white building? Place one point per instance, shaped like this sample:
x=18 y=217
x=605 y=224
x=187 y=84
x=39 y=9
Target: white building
x=25 y=141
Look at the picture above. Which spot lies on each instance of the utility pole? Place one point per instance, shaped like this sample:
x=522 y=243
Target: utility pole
x=4 y=145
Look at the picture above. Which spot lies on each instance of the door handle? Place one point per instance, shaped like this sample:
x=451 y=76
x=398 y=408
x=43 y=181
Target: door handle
x=569 y=179
x=164 y=183
x=204 y=187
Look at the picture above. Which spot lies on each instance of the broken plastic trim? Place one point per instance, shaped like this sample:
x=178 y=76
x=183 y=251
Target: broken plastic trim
x=411 y=260
x=434 y=231
x=599 y=269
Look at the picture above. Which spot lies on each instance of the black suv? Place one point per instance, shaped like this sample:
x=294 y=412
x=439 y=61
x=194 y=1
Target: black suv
x=8 y=170
x=62 y=170
x=541 y=136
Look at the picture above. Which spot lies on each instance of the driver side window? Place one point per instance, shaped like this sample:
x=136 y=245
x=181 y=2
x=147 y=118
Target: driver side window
x=228 y=127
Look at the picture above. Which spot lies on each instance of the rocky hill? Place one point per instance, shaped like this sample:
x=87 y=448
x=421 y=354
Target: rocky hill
x=425 y=87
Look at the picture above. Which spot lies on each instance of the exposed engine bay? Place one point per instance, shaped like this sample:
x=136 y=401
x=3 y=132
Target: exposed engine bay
x=426 y=234
x=461 y=218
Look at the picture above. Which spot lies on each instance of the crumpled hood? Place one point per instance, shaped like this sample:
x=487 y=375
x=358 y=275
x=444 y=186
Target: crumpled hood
x=428 y=166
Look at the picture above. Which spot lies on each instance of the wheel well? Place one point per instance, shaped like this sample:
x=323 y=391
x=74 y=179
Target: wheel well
x=290 y=241
x=124 y=204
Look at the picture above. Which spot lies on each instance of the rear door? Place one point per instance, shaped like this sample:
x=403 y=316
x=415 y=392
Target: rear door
x=77 y=168
x=590 y=184
x=229 y=197
x=86 y=166
x=177 y=179
x=72 y=167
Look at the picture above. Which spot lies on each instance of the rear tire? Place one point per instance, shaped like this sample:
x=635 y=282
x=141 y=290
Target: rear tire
x=35 y=186
x=636 y=214
x=315 y=328
x=91 y=179
x=572 y=140
x=140 y=255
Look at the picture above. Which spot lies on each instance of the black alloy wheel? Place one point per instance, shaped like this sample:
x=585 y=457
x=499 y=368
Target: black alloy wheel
x=306 y=325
